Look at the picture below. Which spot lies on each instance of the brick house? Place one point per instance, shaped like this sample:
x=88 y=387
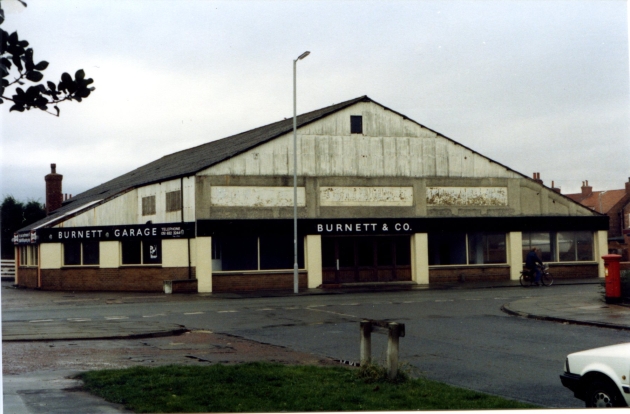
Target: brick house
x=616 y=205
x=381 y=200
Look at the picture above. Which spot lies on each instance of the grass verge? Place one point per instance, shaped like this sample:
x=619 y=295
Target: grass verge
x=265 y=387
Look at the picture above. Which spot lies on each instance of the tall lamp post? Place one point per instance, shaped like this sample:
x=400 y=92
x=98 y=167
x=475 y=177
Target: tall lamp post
x=295 y=243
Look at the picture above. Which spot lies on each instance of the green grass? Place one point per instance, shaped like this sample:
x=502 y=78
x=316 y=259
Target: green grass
x=264 y=387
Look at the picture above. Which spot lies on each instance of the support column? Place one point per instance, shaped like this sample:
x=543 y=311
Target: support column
x=515 y=253
x=366 y=343
x=313 y=247
x=420 y=258
x=601 y=249
x=392 y=349
x=204 y=264
x=109 y=254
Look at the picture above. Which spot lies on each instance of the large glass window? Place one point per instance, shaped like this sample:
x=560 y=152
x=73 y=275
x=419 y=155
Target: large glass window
x=81 y=253
x=447 y=248
x=563 y=246
x=266 y=252
x=139 y=252
x=462 y=248
x=363 y=252
x=485 y=248
x=575 y=246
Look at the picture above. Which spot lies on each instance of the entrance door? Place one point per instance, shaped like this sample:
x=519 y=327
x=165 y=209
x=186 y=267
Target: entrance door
x=366 y=259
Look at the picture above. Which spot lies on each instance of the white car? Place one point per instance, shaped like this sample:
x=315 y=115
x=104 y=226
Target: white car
x=600 y=376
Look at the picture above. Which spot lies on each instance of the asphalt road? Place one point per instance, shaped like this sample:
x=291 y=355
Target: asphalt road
x=460 y=337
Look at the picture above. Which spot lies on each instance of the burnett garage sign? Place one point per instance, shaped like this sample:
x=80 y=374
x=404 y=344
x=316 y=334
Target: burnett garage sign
x=108 y=233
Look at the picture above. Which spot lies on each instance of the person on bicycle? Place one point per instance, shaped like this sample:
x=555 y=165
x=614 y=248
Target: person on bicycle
x=530 y=263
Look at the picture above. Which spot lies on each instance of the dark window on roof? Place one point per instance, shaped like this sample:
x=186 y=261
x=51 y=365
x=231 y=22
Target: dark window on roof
x=356 y=124
x=174 y=201
x=148 y=206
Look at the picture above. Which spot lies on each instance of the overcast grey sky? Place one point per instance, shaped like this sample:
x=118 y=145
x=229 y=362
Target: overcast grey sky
x=539 y=86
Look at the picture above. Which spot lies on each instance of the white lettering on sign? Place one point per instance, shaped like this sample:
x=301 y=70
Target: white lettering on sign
x=361 y=227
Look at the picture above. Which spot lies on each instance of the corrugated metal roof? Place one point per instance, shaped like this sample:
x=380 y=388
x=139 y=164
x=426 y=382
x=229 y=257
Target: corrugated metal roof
x=188 y=162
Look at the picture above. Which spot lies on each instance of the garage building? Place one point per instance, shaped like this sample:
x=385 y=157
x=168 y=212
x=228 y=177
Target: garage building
x=381 y=199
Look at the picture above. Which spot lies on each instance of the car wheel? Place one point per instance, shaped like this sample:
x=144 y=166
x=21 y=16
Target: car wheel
x=602 y=394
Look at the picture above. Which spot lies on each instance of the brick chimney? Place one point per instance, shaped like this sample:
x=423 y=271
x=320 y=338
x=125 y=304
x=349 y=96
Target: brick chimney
x=587 y=190
x=628 y=186
x=537 y=178
x=554 y=188
x=54 y=196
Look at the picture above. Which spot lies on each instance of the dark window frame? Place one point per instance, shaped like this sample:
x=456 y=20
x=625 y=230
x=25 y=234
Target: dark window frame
x=173 y=201
x=93 y=254
x=356 y=124
x=148 y=206
x=138 y=252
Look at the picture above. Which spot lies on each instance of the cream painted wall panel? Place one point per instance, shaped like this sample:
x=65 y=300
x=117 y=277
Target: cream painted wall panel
x=313 y=247
x=420 y=258
x=601 y=249
x=175 y=253
x=455 y=157
x=230 y=196
x=51 y=255
x=203 y=268
x=109 y=254
x=515 y=254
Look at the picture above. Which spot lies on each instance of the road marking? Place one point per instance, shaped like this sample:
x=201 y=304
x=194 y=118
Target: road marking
x=41 y=320
x=349 y=304
x=153 y=316
x=193 y=313
x=292 y=307
x=111 y=318
x=316 y=306
x=227 y=311
x=334 y=313
x=472 y=299
x=264 y=309
x=79 y=319
x=444 y=300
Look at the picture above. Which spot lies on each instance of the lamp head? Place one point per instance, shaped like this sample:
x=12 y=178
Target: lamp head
x=303 y=55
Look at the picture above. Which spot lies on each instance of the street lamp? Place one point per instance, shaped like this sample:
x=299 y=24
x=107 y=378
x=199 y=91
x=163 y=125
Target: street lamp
x=295 y=243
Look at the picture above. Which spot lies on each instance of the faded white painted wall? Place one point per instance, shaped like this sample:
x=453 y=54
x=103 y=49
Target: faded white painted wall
x=234 y=196
x=467 y=196
x=366 y=196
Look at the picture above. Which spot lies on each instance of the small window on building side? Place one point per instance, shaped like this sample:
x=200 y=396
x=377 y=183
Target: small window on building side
x=141 y=252
x=72 y=254
x=356 y=124
x=81 y=253
x=148 y=205
x=174 y=201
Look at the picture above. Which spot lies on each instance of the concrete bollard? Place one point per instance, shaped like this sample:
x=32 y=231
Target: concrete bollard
x=392 y=350
x=366 y=342
x=168 y=287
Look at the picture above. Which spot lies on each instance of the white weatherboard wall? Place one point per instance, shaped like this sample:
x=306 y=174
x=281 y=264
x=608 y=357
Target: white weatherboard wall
x=127 y=207
x=390 y=146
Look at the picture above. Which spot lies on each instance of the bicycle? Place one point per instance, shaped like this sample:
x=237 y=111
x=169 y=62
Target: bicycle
x=528 y=277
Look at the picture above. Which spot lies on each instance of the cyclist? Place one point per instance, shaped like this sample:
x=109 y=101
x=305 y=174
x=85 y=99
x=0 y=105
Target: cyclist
x=530 y=263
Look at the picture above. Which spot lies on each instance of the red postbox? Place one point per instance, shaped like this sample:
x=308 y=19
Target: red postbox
x=613 y=278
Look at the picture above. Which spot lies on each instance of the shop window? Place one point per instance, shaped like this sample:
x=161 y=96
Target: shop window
x=356 y=124
x=575 y=246
x=363 y=252
x=174 y=201
x=148 y=205
x=81 y=253
x=486 y=248
x=542 y=240
x=463 y=248
x=564 y=246
x=23 y=250
x=267 y=252
x=141 y=252
x=447 y=248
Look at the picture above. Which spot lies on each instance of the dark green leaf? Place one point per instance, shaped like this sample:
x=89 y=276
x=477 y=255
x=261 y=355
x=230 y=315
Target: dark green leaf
x=34 y=76
x=51 y=86
x=1 y=101
x=66 y=78
x=13 y=38
x=17 y=107
x=41 y=65
x=57 y=109
x=80 y=75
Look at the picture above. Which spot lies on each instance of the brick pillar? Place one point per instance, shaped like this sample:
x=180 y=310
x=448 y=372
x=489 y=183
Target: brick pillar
x=54 y=196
